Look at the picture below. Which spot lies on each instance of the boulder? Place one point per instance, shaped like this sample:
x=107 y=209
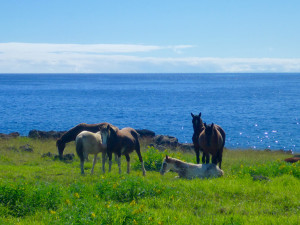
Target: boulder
x=166 y=140
x=10 y=135
x=26 y=148
x=45 y=134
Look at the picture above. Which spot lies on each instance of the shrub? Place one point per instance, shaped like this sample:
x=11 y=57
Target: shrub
x=126 y=189
x=270 y=169
x=22 y=199
x=153 y=159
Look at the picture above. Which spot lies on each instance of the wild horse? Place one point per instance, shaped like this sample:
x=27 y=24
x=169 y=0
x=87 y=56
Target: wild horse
x=90 y=143
x=190 y=170
x=73 y=132
x=198 y=127
x=121 y=142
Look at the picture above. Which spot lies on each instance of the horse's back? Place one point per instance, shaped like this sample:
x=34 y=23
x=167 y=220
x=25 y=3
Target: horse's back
x=90 y=141
x=212 y=170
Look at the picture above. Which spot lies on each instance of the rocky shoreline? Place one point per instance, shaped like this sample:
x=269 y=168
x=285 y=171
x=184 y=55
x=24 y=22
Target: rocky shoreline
x=158 y=141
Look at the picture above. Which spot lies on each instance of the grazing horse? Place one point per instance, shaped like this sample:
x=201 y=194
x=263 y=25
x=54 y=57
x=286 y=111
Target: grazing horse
x=198 y=126
x=121 y=142
x=90 y=143
x=73 y=132
x=190 y=170
x=211 y=142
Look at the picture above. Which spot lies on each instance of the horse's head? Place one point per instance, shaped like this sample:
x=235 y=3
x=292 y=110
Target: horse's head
x=107 y=131
x=197 y=122
x=209 y=129
x=166 y=165
x=60 y=147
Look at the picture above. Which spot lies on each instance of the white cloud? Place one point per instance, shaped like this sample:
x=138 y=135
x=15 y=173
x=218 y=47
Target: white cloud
x=111 y=58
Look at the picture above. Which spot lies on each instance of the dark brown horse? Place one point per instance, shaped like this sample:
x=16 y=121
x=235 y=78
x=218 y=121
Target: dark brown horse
x=211 y=142
x=73 y=132
x=121 y=142
x=198 y=126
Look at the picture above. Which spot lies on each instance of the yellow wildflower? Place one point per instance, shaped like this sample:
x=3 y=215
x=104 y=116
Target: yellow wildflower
x=132 y=203
x=150 y=218
x=93 y=215
x=76 y=195
x=52 y=212
x=282 y=167
x=68 y=202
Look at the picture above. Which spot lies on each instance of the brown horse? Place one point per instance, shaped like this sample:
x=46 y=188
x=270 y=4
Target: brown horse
x=211 y=142
x=121 y=142
x=73 y=132
x=198 y=126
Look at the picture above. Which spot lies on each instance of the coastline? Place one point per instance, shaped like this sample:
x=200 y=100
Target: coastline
x=148 y=137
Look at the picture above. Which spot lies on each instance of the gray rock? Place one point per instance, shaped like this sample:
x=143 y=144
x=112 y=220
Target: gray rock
x=45 y=134
x=166 y=140
x=10 y=135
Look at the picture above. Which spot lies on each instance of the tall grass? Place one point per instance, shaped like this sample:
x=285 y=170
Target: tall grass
x=258 y=188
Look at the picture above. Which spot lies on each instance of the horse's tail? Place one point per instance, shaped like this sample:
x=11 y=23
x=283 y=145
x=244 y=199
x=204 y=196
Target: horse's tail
x=222 y=132
x=79 y=148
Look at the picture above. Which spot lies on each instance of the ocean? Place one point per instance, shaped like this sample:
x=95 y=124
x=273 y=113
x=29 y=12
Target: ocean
x=257 y=111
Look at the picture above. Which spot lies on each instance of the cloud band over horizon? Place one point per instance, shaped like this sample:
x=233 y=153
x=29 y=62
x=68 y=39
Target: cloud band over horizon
x=127 y=58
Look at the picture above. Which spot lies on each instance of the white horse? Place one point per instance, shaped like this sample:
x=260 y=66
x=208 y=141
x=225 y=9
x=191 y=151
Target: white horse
x=190 y=170
x=90 y=143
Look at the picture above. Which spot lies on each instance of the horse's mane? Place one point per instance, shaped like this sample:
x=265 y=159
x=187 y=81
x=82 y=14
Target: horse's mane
x=71 y=134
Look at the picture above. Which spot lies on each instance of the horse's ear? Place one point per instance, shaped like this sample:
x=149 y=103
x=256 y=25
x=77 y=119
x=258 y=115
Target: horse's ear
x=167 y=157
x=205 y=125
x=212 y=125
x=200 y=114
x=192 y=115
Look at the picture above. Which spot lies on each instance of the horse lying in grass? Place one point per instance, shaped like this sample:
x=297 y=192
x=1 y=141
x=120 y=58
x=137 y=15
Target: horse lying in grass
x=121 y=142
x=71 y=135
x=90 y=143
x=190 y=170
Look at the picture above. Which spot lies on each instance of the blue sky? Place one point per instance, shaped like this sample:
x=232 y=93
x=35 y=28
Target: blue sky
x=149 y=36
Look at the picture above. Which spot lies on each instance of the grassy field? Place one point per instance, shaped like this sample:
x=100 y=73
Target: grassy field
x=257 y=188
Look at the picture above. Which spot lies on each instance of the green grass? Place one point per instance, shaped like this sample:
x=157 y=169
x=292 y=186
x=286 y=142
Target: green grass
x=257 y=188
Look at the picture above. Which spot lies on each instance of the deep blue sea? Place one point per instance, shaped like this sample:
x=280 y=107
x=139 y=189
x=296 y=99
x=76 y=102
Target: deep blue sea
x=256 y=111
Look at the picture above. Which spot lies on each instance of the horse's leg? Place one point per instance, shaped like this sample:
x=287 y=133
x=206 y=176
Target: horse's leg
x=94 y=162
x=203 y=157
x=103 y=161
x=215 y=159
x=128 y=163
x=138 y=151
x=220 y=157
x=197 y=150
x=119 y=163
x=82 y=165
x=207 y=158
x=110 y=160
